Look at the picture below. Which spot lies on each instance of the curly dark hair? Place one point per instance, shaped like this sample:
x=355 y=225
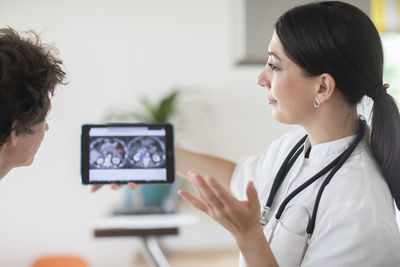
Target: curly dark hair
x=29 y=74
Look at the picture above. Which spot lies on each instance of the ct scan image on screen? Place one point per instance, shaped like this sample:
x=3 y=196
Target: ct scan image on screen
x=127 y=153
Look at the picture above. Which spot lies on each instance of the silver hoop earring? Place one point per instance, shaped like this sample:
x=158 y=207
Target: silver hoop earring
x=316 y=103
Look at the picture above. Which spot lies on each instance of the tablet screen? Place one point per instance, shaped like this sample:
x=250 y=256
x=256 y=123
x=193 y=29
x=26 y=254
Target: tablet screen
x=123 y=153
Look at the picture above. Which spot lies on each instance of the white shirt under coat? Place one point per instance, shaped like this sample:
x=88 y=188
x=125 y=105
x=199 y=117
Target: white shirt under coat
x=356 y=221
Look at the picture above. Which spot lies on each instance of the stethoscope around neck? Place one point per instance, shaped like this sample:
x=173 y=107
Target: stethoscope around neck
x=333 y=167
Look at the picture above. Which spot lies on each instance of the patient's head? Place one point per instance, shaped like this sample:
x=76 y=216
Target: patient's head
x=29 y=73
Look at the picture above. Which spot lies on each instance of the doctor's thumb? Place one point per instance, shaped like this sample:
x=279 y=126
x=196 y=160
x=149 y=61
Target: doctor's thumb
x=251 y=193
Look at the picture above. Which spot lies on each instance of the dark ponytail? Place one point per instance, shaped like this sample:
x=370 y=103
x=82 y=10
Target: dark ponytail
x=337 y=38
x=385 y=141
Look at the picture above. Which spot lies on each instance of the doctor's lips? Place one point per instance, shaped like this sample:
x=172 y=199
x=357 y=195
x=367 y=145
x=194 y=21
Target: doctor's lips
x=272 y=101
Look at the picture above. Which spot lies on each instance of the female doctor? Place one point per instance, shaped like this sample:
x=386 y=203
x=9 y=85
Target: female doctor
x=324 y=194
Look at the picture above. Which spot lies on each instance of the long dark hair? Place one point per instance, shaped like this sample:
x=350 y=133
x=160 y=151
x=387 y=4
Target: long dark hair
x=337 y=38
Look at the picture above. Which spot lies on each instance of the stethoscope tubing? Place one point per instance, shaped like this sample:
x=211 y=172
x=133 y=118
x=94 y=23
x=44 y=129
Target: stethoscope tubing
x=334 y=166
x=342 y=160
x=280 y=176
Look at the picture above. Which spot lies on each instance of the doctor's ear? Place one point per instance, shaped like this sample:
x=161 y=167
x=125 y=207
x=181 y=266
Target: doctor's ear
x=327 y=85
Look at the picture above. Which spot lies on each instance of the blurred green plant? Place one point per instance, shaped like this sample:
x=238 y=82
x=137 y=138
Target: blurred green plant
x=163 y=110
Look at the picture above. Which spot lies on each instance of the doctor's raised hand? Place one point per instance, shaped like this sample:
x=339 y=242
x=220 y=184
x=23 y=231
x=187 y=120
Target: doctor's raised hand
x=241 y=218
x=238 y=217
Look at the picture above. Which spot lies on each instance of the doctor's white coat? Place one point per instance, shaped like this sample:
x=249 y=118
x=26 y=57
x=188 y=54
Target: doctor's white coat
x=355 y=223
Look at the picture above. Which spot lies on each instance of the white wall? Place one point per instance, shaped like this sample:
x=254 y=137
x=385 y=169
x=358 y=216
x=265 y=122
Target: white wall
x=114 y=52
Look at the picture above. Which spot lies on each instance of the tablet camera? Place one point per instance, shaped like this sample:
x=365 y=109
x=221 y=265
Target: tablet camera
x=146 y=152
x=107 y=153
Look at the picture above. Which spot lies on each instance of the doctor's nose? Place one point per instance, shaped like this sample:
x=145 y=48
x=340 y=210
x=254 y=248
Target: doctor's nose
x=262 y=79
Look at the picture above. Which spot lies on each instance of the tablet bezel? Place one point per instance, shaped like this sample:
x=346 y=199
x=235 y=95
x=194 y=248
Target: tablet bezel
x=169 y=145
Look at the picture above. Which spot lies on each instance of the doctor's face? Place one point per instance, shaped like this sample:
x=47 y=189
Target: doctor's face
x=289 y=91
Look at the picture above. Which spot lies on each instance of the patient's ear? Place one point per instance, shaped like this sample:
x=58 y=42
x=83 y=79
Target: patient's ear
x=13 y=138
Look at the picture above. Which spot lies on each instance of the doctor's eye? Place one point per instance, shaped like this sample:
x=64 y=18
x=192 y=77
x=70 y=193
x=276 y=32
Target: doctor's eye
x=273 y=67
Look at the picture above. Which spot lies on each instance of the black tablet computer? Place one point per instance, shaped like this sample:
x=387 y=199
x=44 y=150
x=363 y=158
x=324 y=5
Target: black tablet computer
x=127 y=152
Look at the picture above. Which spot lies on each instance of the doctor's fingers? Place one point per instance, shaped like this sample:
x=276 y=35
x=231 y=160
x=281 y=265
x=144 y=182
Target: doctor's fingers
x=197 y=203
x=132 y=185
x=232 y=207
x=223 y=195
x=252 y=197
x=193 y=200
x=205 y=192
x=226 y=204
x=115 y=186
x=95 y=188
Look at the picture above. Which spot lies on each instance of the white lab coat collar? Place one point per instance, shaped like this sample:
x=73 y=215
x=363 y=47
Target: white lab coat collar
x=330 y=150
x=327 y=151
